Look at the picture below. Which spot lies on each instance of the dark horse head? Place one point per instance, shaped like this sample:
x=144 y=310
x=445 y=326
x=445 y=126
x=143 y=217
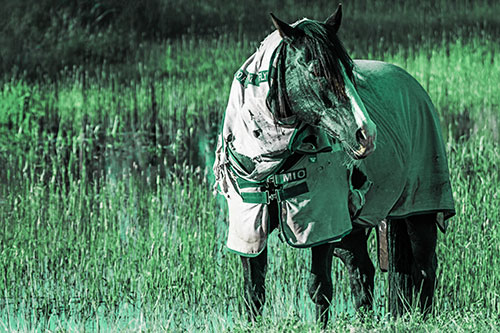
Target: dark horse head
x=314 y=83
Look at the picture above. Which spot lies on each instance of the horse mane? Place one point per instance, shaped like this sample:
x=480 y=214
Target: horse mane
x=324 y=46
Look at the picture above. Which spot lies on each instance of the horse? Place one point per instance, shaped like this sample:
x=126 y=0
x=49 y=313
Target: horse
x=325 y=148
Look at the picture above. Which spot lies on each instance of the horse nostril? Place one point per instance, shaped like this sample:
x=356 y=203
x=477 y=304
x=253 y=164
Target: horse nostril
x=361 y=136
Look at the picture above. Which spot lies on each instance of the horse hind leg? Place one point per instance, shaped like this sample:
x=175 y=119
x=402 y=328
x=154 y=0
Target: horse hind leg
x=400 y=261
x=422 y=232
x=412 y=262
x=353 y=252
x=320 y=281
x=254 y=275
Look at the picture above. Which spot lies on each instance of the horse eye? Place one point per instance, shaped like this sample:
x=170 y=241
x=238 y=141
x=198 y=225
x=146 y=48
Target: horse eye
x=307 y=56
x=314 y=69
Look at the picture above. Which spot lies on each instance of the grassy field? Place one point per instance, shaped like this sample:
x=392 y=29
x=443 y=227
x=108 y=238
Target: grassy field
x=108 y=222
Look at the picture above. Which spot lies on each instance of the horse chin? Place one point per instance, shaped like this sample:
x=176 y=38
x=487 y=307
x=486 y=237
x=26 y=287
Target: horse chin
x=363 y=152
x=359 y=154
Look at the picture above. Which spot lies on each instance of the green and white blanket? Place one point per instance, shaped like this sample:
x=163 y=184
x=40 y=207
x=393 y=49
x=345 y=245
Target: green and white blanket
x=408 y=171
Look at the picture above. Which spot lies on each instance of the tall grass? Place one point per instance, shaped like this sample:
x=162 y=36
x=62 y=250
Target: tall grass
x=108 y=221
x=40 y=38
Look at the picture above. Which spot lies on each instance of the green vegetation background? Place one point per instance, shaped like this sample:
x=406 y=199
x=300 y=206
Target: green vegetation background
x=108 y=113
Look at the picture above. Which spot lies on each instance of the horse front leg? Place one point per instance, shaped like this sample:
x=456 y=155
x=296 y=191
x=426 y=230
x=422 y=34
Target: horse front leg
x=353 y=252
x=320 y=281
x=254 y=274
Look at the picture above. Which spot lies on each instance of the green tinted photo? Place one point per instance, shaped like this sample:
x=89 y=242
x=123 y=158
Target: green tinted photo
x=267 y=166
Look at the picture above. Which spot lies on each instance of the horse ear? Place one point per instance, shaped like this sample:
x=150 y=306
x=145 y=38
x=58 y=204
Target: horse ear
x=334 y=20
x=286 y=31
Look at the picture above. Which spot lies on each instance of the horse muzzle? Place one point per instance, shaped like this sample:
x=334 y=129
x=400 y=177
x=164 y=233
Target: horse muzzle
x=366 y=142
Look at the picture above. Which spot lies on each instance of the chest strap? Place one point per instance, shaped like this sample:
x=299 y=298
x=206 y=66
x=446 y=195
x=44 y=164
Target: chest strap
x=273 y=188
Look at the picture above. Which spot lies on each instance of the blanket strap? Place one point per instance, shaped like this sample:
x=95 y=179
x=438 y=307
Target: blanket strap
x=270 y=190
x=284 y=194
x=255 y=197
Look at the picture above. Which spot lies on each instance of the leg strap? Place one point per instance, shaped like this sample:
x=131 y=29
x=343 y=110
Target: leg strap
x=383 y=252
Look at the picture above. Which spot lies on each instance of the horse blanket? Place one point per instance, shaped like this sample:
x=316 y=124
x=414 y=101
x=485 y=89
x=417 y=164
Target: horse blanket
x=252 y=167
x=409 y=169
x=407 y=174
